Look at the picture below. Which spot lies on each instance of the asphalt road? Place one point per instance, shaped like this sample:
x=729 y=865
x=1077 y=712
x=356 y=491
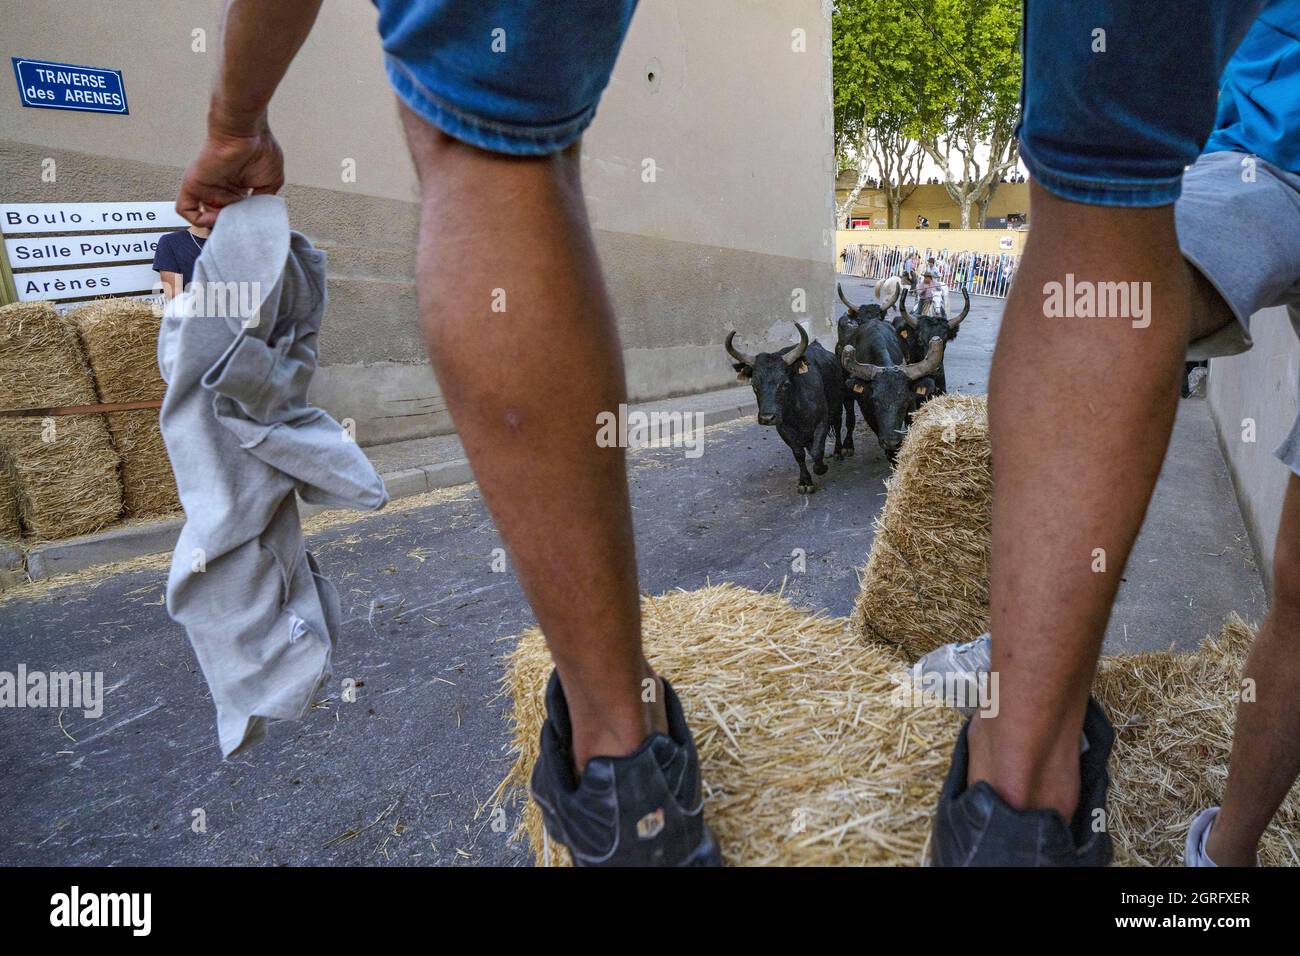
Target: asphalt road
x=399 y=776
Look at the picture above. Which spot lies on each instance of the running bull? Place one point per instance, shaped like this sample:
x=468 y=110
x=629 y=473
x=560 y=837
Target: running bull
x=888 y=388
x=800 y=390
x=918 y=328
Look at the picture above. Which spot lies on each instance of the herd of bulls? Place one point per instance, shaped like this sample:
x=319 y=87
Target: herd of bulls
x=887 y=367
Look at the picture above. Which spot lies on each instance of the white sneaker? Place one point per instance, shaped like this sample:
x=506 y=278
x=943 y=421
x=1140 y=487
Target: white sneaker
x=1197 y=834
x=960 y=666
x=957 y=664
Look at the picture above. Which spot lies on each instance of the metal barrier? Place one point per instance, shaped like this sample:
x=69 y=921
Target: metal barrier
x=979 y=273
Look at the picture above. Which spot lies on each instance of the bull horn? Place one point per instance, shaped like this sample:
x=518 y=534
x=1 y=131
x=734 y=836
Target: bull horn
x=740 y=357
x=855 y=368
x=928 y=365
x=797 y=354
x=853 y=313
x=907 y=316
x=953 y=323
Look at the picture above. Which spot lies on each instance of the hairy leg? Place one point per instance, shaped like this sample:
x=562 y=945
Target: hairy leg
x=1266 y=745
x=1080 y=415
x=524 y=387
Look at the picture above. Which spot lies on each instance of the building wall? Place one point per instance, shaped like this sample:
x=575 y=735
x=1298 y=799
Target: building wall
x=1260 y=385
x=738 y=219
x=954 y=240
x=933 y=202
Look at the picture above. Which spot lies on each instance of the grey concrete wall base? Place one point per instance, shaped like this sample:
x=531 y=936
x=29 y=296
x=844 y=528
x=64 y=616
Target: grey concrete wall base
x=11 y=556
x=1253 y=396
x=676 y=299
x=11 y=564
x=116 y=544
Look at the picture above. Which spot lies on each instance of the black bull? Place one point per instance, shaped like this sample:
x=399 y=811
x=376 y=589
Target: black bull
x=917 y=329
x=886 y=387
x=800 y=390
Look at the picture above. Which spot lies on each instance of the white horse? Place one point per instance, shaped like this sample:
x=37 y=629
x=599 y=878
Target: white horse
x=887 y=291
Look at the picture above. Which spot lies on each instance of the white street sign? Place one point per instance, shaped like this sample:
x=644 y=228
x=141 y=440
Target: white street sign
x=26 y=218
x=82 y=283
x=54 y=251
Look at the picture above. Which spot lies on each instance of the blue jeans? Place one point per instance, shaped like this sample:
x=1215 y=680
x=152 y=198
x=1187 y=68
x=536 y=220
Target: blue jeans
x=1117 y=127
x=521 y=77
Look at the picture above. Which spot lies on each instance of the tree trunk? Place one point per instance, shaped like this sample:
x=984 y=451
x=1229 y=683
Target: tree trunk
x=895 y=212
x=845 y=209
x=986 y=197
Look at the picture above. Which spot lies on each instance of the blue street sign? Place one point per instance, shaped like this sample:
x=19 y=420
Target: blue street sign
x=63 y=86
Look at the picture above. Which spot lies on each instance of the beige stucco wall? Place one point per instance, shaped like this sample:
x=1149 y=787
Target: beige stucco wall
x=954 y=240
x=335 y=87
x=931 y=201
x=737 y=123
x=1259 y=385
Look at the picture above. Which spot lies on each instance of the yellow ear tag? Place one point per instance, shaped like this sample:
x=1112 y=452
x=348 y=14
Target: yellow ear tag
x=803 y=367
x=903 y=333
x=858 y=388
x=922 y=390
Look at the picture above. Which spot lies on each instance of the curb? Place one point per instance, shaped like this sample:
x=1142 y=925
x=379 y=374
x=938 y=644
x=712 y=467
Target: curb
x=52 y=558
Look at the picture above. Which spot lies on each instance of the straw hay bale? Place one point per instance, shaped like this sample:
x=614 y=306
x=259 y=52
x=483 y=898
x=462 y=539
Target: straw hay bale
x=65 y=468
x=120 y=338
x=797 y=722
x=1173 y=717
x=9 y=524
x=807 y=758
x=926 y=580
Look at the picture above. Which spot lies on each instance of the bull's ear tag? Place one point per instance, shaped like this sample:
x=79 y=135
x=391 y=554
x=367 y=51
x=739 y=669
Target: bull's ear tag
x=803 y=367
x=858 y=389
x=922 y=389
x=903 y=333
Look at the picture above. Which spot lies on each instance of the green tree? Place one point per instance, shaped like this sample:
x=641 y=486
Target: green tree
x=881 y=81
x=978 y=68
x=938 y=76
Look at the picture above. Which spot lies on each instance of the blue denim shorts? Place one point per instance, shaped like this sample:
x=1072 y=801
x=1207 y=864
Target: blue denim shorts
x=521 y=77
x=1118 y=97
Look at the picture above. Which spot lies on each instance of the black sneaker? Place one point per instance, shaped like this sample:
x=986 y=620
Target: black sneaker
x=974 y=826
x=645 y=809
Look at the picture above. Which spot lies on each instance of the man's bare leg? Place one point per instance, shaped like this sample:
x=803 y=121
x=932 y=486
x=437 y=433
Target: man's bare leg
x=1080 y=415
x=1266 y=745
x=524 y=387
